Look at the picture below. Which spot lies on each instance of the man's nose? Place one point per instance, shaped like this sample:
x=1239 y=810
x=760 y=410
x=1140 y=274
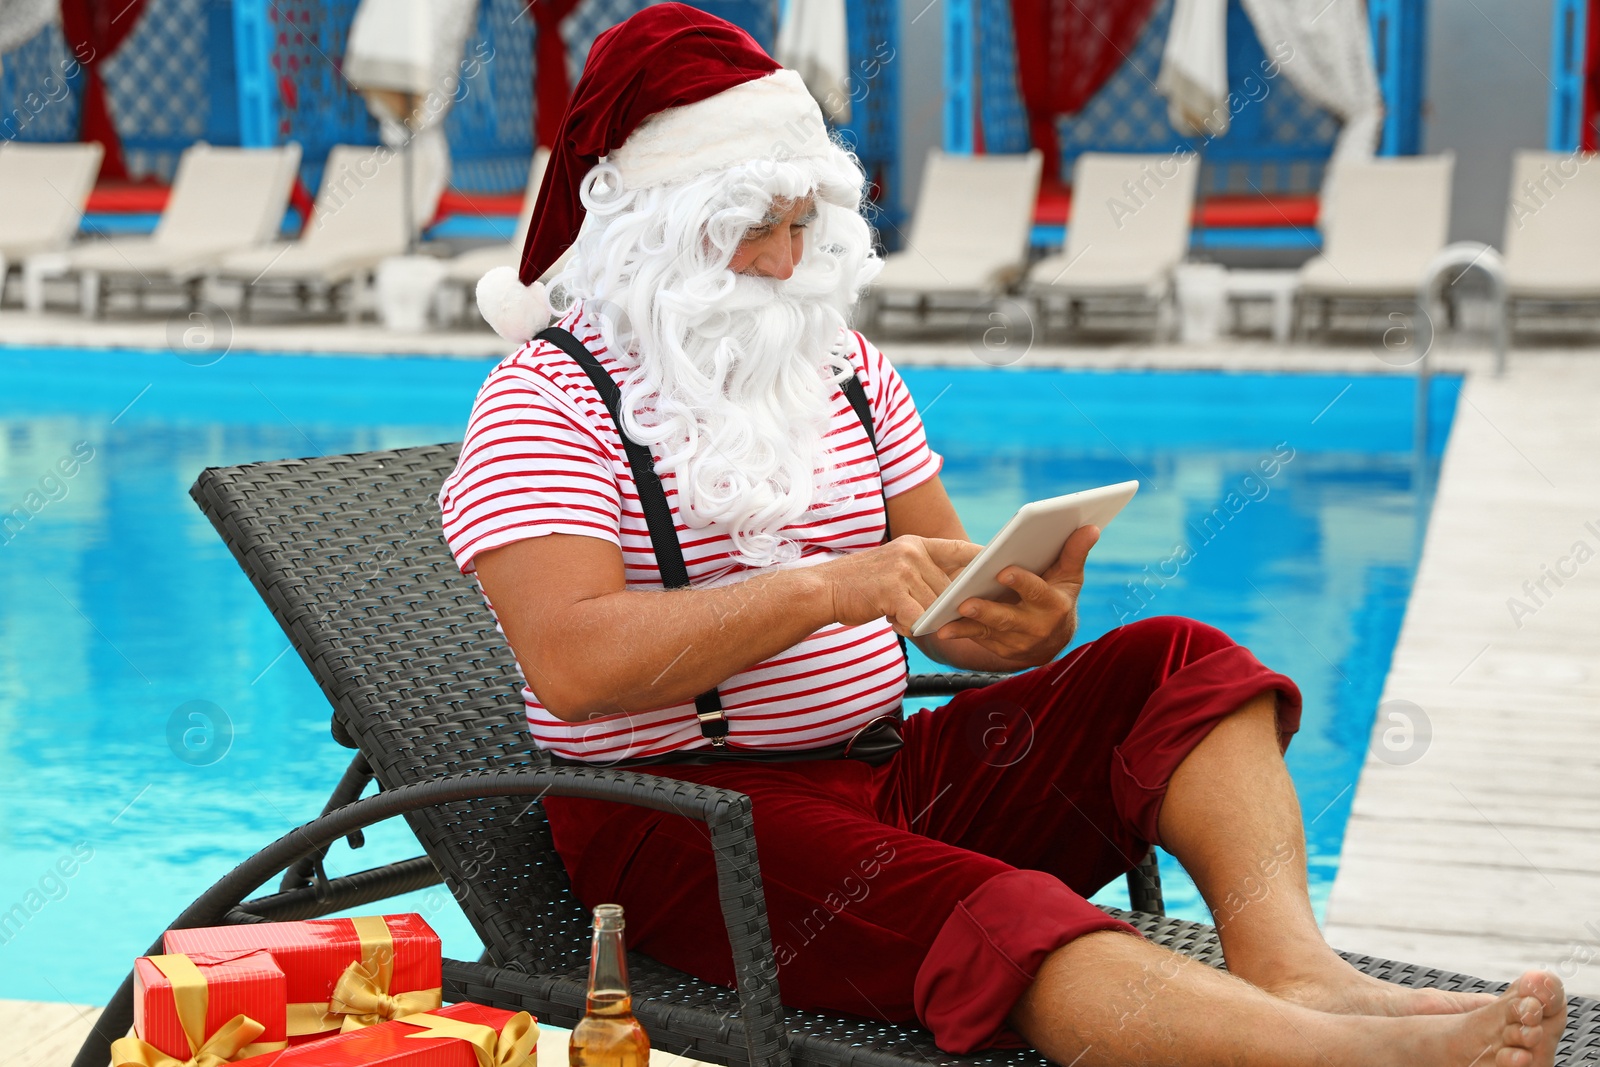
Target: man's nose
x=777 y=259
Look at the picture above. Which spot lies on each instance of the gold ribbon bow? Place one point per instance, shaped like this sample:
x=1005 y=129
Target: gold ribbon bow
x=361 y=996
x=232 y=1040
x=511 y=1046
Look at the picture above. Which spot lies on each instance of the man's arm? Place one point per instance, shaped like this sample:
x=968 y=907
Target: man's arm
x=592 y=647
x=1029 y=627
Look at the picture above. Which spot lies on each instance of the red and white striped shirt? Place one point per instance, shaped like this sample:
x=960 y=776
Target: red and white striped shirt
x=542 y=456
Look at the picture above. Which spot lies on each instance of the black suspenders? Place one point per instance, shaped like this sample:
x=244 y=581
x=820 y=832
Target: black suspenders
x=653 y=499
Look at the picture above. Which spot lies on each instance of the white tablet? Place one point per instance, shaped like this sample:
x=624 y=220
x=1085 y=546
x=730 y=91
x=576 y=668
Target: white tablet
x=1032 y=540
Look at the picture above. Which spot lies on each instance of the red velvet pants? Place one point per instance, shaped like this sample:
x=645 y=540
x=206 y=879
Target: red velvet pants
x=933 y=886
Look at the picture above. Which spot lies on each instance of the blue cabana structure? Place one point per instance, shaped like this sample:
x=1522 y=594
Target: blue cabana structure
x=266 y=72
x=1573 y=63
x=1259 y=183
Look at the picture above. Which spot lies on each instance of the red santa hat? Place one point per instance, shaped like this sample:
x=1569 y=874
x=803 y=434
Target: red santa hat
x=665 y=96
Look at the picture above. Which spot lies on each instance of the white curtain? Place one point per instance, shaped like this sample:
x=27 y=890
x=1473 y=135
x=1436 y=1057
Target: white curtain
x=21 y=19
x=1328 y=44
x=813 y=40
x=1194 y=67
x=412 y=47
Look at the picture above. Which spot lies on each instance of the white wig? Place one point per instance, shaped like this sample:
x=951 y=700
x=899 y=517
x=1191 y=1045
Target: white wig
x=730 y=378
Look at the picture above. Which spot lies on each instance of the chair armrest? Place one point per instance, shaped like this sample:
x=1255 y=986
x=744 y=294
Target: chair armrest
x=947 y=682
x=727 y=816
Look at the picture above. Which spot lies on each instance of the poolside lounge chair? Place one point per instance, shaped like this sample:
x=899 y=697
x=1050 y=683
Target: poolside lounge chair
x=1129 y=229
x=1382 y=221
x=43 y=190
x=347 y=553
x=222 y=200
x=1552 y=243
x=969 y=234
x=357 y=222
x=462 y=272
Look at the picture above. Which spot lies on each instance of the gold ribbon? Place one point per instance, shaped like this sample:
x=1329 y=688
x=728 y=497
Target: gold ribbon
x=361 y=996
x=511 y=1046
x=232 y=1040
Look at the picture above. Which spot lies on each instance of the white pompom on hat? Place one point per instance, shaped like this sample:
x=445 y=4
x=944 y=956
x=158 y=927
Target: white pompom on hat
x=516 y=311
x=665 y=96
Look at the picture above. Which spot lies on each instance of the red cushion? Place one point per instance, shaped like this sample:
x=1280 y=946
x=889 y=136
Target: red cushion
x=128 y=199
x=1054 y=208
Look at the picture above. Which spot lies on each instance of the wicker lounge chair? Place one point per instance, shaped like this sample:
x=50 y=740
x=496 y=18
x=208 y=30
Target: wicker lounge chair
x=222 y=200
x=969 y=235
x=43 y=190
x=1129 y=229
x=1552 y=240
x=1382 y=222
x=346 y=550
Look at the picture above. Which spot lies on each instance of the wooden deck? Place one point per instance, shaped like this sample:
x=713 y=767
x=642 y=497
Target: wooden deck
x=42 y=1035
x=48 y=1035
x=1483 y=853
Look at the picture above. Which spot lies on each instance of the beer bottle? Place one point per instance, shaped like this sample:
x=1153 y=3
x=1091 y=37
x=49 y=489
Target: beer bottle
x=608 y=1035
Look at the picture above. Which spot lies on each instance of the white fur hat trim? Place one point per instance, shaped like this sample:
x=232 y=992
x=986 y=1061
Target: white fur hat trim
x=516 y=311
x=772 y=118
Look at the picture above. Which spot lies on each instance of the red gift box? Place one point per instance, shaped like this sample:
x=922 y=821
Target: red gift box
x=398 y=954
x=392 y=1044
x=206 y=991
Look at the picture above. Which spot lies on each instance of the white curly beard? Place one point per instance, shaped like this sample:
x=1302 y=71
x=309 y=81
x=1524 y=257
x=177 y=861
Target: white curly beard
x=731 y=379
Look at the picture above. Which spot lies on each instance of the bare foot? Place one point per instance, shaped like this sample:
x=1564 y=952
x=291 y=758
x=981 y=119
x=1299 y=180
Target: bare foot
x=1519 y=1029
x=1341 y=989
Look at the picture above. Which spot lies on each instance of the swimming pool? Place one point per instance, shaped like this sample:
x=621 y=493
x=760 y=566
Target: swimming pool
x=157 y=729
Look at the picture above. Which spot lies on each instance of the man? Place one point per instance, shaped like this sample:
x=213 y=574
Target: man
x=718 y=249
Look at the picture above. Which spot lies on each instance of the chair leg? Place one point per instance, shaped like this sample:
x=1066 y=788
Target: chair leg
x=1144 y=886
x=308 y=869
x=90 y=293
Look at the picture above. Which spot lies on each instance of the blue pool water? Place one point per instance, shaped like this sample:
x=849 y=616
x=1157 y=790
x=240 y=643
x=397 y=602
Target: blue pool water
x=120 y=608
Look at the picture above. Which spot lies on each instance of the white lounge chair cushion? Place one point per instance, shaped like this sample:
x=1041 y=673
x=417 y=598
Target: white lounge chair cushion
x=972 y=224
x=298 y=262
x=144 y=256
x=1383 y=222
x=222 y=200
x=474 y=263
x=1320 y=276
x=1091 y=275
x=1552 y=238
x=1130 y=225
x=357 y=222
x=43 y=190
x=947 y=270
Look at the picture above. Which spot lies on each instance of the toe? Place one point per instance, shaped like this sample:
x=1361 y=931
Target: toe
x=1543 y=987
x=1513 y=1057
x=1524 y=1036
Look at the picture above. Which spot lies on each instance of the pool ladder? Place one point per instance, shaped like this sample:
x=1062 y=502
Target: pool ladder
x=1456 y=261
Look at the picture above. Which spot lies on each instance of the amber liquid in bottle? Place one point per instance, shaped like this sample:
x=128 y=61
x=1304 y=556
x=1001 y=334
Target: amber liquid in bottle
x=608 y=1035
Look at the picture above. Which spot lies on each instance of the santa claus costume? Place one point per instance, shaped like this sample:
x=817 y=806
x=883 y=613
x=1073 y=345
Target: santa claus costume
x=927 y=882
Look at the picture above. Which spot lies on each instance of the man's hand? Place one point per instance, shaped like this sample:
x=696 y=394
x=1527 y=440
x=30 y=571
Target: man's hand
x=1034 y=627
x=896 y=581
